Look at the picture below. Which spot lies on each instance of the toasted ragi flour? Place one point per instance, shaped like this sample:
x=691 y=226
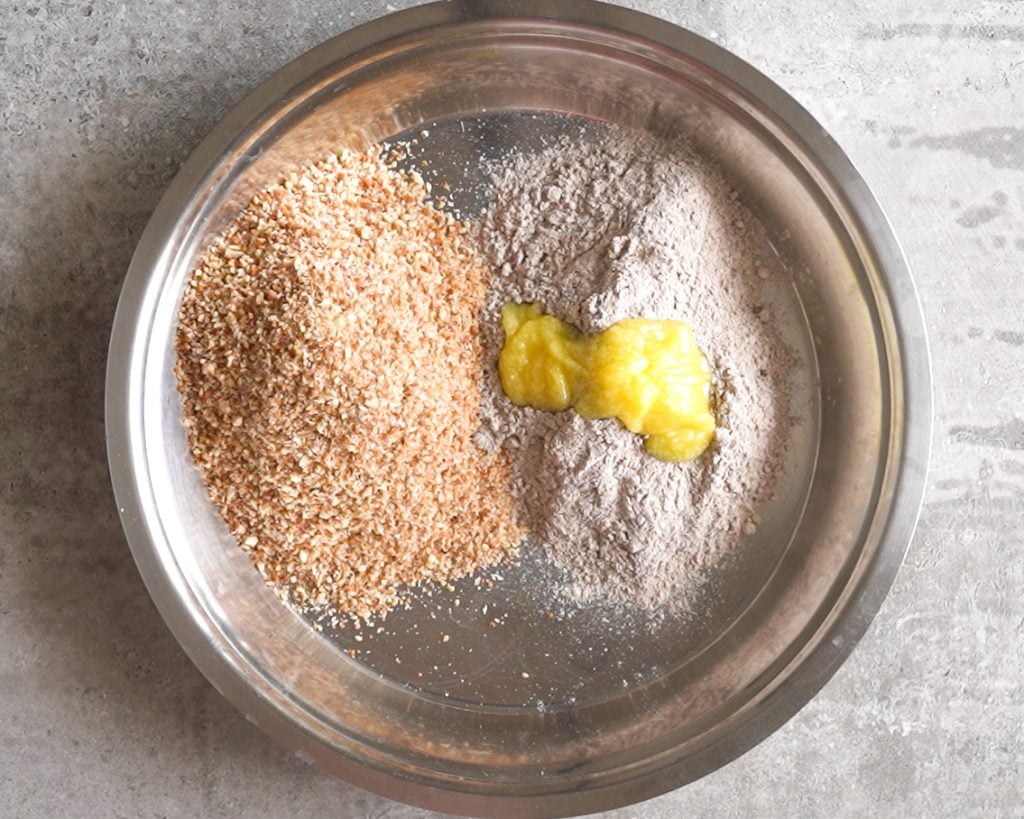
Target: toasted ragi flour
x=620 y=226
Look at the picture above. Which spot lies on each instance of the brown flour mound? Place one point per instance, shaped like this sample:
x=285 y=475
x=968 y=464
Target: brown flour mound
x=328 y=362
x=622 y=226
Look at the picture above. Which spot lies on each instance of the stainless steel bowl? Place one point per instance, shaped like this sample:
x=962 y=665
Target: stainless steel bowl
x=609 y=715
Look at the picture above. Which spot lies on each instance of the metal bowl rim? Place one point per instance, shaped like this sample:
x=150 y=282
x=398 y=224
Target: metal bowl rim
x=198 y=636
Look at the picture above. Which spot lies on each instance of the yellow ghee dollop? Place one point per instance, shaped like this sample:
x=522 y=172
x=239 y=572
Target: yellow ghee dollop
x=648 y=373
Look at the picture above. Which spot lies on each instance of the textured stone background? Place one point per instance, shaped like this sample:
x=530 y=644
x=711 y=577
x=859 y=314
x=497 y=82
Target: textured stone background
x=100 y=711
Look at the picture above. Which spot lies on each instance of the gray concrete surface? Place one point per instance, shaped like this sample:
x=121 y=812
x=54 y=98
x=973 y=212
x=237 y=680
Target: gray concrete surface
x=100 y=711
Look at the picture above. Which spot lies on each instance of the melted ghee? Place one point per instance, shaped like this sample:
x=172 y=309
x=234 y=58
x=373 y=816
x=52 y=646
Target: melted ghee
x=649 y=374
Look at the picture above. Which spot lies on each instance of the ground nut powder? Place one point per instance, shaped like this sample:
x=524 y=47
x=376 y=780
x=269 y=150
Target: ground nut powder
x=328 y=360
x=631 y=227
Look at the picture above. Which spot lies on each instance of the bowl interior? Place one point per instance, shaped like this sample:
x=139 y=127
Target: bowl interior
x=605 y=701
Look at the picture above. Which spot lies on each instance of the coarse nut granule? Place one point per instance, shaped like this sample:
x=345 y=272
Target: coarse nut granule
x=328 y=360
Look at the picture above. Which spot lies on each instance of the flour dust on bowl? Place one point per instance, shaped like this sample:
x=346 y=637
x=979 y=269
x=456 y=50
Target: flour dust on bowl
x=494 y=696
